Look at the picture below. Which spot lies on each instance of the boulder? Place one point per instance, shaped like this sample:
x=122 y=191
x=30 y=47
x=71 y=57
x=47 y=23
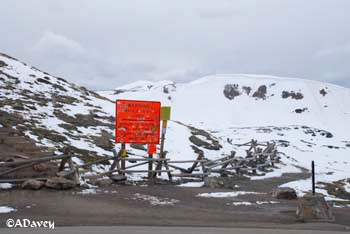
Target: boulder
x=118 y=178
x=103 y=182
x=32 y=184
x=231 y=91
x=41 y=167
x=284 y=193
x=261 y=92
x=313 y=207
x=59 y=183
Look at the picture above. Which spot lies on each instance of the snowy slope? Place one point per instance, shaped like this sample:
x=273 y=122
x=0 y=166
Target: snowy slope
x=54 y=112
x=309 y=120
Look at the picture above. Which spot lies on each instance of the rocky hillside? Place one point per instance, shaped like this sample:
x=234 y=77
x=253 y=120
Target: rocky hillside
x=54 y=112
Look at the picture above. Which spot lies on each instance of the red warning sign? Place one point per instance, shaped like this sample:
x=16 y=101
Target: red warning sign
x=137 y=122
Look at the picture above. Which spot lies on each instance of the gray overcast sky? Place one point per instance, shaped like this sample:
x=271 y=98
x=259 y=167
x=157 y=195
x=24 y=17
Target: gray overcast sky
x=102 y=44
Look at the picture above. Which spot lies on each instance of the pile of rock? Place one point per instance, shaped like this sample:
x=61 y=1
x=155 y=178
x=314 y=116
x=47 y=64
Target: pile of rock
x=284 y=193
x=313 y=207
x=58 y=183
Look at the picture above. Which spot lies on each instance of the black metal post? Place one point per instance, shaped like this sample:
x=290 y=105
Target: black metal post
x=313 y=176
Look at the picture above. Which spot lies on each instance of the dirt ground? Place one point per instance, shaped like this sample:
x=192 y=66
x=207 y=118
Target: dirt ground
x=126 y=205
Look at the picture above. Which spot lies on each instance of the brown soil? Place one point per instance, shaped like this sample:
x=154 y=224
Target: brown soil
x=118 y=205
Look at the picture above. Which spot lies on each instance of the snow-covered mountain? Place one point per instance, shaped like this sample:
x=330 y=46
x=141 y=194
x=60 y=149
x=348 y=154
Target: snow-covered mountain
x=248 y=100
x=308 y=120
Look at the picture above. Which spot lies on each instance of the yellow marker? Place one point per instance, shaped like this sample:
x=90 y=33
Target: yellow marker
x=124 y=153
x=165 y=113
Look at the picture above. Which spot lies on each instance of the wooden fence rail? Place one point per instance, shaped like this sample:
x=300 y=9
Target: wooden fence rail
x=259 y=157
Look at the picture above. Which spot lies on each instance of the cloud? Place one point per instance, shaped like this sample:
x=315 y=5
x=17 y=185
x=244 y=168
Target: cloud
x=58 y=44
x=104 y=44
x=72 y=60
x=65 y=57
x=343 y=50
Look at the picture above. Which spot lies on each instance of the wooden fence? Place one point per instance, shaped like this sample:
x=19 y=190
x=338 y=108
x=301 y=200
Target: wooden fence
x=259 y=157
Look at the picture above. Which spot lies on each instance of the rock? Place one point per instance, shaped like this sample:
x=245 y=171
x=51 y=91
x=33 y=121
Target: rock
x=222 y=182
x=41 y=167
x=59 y=183
x=293 y=95
x=118 y=178
x=299 y=111
x=103 y=182
x=323 y=92
x=32 y=184
x=261 y=92
x=314 y=207
x=231 y=91
x=65 y=174
x=247 y=89
x=284 y=193
x=2 y=64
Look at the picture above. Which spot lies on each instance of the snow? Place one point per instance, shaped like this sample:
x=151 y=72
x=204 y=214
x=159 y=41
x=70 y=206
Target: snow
x=340 y=206
x=6 y=186
x=6 y=209
x=304 y=186
x=88 y=191
x=225 y=194
x=154 y=201
x=192 y=184
x=246 y=203
x=266 y=202
x=242 y=203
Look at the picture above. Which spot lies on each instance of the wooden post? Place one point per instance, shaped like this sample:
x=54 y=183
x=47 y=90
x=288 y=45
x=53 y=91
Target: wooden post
x=62 y=164
x=66 y=151
x=123 y=154
x=161 y=154
x=169 y=173
x=204 y=170
x=74 y=170
x=150 y=170
x=116 y=161
x=199 y=157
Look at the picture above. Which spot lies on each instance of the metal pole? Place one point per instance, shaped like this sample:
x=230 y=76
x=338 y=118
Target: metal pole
x=313 y=176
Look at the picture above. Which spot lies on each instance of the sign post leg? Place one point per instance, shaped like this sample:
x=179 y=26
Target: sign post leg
x=150 y=166
x=161 y=154
x=123 y=156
